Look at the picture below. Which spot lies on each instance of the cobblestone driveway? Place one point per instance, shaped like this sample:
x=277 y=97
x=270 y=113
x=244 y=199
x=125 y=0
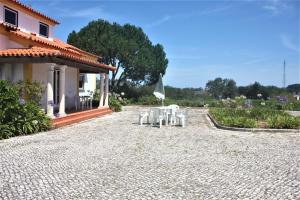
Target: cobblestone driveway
x=114 y=158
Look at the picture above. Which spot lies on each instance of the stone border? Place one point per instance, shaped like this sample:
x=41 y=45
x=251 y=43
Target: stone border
x=215 y=123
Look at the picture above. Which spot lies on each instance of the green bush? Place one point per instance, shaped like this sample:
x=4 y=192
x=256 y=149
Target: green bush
x=249 y=118
x=32 y=92
x=148 y=100
x=232 y=117
x=123 y=101
x=240 y=122
x=295 y=105
x=115 y=104
x=152 y=100
x=286 y=121
x=19 y=118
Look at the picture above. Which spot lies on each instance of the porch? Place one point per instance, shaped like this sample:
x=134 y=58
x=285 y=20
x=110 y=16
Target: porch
x=79 y=116
x=56 y=93
x=60 y=76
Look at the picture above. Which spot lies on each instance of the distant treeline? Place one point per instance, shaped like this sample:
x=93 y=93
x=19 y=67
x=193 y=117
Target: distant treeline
x=218 y=89
x=227 y=88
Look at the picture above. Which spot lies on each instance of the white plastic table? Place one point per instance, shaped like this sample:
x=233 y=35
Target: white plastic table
x=163 y=109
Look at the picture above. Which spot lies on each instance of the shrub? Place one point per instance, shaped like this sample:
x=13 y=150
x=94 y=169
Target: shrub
x=286 y=121
x=19 y=118
x=32 y=92
x=148 y=100
x=152 y=100
x=295 y=105
x=115 y=104
x=249 y=118
x=240 y=122
x=124 y=101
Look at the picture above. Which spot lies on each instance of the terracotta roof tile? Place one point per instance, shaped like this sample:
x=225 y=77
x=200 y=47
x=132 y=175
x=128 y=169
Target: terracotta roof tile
x=32 y=52
x=44 y=46
x=56 y=43
x=43 y=52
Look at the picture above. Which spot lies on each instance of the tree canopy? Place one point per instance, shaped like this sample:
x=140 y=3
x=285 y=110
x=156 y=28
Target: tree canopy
x=127 y=47
x=252 y=91
x=294 y=88
x=221 y=88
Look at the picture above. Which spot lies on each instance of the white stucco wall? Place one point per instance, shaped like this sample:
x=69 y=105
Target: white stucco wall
x=17 y=72
x=3 y=42
x=26 y=22
x=6 y=43
x=11 y=72
x=6 y=71
x=71 y=87
x=40 y=74
x=1 y=12
x=89 y=84
x=12 y=44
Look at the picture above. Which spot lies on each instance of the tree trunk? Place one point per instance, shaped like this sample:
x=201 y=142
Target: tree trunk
x=114 y=75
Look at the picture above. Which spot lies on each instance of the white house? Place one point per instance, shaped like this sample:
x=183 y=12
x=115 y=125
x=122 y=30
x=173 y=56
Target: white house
x=29 y=51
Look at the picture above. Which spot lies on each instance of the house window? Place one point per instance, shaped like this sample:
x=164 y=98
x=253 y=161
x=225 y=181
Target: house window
x=11 y=16
x=44 y=30
x=81 y=81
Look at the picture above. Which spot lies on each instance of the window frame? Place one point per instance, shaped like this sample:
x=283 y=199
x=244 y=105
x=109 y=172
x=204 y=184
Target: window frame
x=11 y=10
x=46 y=25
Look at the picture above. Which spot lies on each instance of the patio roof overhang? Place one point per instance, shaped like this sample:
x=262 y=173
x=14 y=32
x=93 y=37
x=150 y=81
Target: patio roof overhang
x=83 y=67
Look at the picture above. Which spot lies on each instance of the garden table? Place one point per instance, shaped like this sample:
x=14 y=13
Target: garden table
x=161 y=113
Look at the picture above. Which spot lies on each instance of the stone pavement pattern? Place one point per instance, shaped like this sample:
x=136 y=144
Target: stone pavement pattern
x=114 y=158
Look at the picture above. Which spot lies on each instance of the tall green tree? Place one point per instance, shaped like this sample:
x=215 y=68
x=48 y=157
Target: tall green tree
x=230 y=88
x=221 y=88
x=215 y=87
x=252 y=91
x=294 y=88
x=127 y=47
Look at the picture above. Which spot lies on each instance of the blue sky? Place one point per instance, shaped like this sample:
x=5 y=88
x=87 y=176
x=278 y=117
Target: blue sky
x=246 y=40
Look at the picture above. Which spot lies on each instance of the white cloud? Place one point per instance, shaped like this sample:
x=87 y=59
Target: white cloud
x=275 y=6
x=186 y=16
x=158 y=22
x=287 y=42
x=271 y=8
x=85 y=12
x=254 y=61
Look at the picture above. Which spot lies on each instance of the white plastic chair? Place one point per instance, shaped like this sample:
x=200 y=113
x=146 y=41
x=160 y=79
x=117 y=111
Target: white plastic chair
x=159 y=115
x=173 y=108
x=183 y=117
x=144 y=114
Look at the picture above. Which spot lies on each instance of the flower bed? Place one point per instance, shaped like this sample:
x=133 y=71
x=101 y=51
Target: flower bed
x=254 y=118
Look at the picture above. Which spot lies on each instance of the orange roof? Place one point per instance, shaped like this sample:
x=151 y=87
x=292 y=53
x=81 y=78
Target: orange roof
x=32 y=52
x=28 y=8
x=46 y=52
x=55 y=45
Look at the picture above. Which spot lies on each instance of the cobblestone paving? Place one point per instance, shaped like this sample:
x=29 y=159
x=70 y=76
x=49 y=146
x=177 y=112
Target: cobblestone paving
x=114 y=158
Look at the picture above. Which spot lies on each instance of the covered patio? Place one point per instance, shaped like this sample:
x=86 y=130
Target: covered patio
x=55 y=63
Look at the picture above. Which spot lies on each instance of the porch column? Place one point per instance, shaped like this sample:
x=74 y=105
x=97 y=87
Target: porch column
x=62 y=86
x=106 y=90
x=50 y=101
x=101 y=97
